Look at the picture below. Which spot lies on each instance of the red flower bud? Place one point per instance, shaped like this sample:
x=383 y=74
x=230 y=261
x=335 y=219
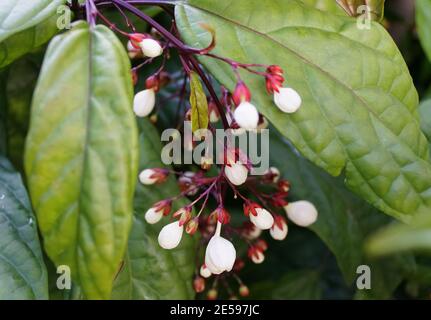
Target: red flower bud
x=284 y=185
x=212 y=294
x=241 y=93
x=199 y=284
x=184 y=213
x=192 y=226
x=274 y=78
x=164 y=205
x=244 y=291
x=250 y=207
x=222 y=215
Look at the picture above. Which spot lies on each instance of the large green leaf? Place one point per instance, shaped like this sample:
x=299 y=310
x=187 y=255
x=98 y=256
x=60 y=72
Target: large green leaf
x=22 y=270
x=25 y=25
x=296 y=285
x=423 y=22
x=359 y=110
x=425 y=114
x=3 y=111
x=81 y=155
x=325 y=5
x=344 y=222
x=149 y=271
x=400 y=237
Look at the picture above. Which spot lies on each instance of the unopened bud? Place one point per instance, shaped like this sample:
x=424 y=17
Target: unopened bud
x=212 y=294
x=199 y=284
x=192 y=226
x=244 y=291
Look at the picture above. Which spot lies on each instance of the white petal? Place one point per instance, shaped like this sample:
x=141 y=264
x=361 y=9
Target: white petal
x=220 y=255
x=151 y=48
x=236 y=173
x=145 y=177
x=277 y=233
x=246 y=116
x=170 y=236
x=303 y=213
x=144 y=102
x=152 y=216
x=288 y=100
x=264 y=220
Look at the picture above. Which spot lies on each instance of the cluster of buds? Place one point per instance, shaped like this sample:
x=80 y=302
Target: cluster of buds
x=220 y=255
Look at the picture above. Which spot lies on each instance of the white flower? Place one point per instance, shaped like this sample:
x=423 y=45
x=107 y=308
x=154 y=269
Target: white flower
x=236 y=173
x=287 y=99
x=205 y=272
x=302 y=213
x=263 y=220
x=170 y=236
x=246 y=116
x=144 y=102
x=153 y=216
x=278 y=233
x=151 y=48
x=220 y=254
x=148 y=177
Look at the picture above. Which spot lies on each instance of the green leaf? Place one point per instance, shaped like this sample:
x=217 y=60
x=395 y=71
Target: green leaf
x=359 y=117
x=325 y=5
x=149 y=271
x=3 y=113
x=198 y=103
x=423 y=23
x=22 y=270
x=344 y=222
x=354 y=8
x=296 y=285
x=19 y=92
x=81 y=155
x=401 y=237
x=425 y=115
x=26 y=25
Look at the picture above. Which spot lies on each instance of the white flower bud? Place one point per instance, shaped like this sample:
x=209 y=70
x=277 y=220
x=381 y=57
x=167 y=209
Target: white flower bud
x=151 y=48
x=147 y=177
x=303 y=213
x=253 y=233
x=277 y=233
x=205 y=272
x=170 y=236
x=236 y=173
x=258 y=257
x=287 y=100
x=144 y=102
x=153 y=216
x=246 y=116
x=220 y=254
x=263 y=220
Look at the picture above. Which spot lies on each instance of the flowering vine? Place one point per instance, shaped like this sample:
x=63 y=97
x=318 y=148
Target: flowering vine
x=207 y=187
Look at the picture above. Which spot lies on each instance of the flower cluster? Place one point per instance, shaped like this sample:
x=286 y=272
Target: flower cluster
x=205 y=189
x=260 y=209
